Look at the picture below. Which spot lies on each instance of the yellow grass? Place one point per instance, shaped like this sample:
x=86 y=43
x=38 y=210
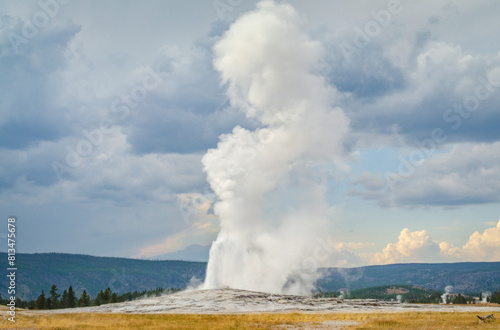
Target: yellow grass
x=421 y=320
x=398 y=320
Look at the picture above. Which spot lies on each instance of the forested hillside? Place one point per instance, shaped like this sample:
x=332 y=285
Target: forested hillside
x=465 y=277
x=37 y=272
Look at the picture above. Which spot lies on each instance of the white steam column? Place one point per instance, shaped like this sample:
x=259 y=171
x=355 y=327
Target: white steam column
x=271 y=201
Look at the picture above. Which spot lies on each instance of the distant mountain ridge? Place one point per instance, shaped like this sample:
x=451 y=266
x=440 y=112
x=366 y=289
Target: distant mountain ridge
x=193 y=252
x=37 y=272
x=465 y=277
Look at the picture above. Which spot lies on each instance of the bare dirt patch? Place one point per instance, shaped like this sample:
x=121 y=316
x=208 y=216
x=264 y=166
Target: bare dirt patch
x=395 y=290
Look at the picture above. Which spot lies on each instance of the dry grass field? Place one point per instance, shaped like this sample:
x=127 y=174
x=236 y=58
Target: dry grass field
x=398 y=320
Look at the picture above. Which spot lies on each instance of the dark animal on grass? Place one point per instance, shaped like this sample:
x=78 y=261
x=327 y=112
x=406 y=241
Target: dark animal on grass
x=486 y=318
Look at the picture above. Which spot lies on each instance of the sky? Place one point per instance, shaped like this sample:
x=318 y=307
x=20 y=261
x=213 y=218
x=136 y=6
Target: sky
x=107 y=108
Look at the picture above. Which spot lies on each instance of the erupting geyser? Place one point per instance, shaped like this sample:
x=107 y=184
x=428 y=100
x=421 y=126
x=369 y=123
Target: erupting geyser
x=272 y=72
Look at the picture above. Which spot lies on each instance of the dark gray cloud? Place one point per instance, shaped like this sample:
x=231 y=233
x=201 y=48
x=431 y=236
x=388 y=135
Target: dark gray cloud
x=188 y=110
x=33 y=164
x=366 y=75
x=179 y=130
x=27 y=69
x=466 y=175
x=439 y=91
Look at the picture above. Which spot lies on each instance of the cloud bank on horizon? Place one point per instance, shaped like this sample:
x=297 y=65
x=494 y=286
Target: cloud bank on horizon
x=107 y=109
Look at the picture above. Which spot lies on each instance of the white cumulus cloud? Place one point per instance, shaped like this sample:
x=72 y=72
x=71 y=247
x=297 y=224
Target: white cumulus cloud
x=484 y=247
x=416 y=246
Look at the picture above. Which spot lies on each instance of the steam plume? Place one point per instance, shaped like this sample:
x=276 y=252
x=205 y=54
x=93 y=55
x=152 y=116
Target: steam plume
x=270 y=201
x=447 y=290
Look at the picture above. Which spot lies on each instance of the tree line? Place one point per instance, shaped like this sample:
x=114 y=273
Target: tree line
x=415 y=295
x=68 y=299
x=494 y=297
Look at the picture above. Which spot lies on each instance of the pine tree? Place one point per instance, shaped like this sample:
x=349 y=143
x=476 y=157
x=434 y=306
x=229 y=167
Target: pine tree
x=54 y=296
x=84 y=299
x=20 y=303
x=107 y=296
x=64 y=300
x=459 y=300
x=71 y=298
x=495 y=297
x=99 y=299
x=41 y=302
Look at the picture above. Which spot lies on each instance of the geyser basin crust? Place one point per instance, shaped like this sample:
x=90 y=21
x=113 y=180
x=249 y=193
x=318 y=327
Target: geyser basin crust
x=223 y=301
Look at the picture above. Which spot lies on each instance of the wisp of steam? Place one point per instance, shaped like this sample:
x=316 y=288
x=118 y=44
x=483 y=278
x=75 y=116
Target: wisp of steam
x=271 y=194
x=447 y=290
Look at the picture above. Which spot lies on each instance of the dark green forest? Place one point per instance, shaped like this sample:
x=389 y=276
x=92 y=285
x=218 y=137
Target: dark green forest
x=67 y=299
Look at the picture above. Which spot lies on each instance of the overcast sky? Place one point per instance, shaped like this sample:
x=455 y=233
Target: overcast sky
x=107 y=107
